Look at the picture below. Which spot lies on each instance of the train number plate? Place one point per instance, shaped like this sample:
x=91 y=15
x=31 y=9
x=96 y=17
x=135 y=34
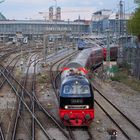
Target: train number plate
x=76 y=101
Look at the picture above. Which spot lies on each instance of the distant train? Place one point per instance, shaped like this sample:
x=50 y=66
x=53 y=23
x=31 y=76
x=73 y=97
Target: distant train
x=113 y=48
x=113 y=52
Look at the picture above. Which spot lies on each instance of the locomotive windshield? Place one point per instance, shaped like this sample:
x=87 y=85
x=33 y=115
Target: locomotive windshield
x=76 y=88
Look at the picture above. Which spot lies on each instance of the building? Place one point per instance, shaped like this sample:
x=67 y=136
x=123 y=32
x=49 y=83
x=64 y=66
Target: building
x=38 y=28
x=54 y=15
x=118 y=25
x=106 y=19
x=51 y=13
x=100 y=21
x=58 y=13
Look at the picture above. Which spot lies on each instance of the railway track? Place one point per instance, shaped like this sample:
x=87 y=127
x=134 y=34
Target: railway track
x=26 y=106
x=21 y=111
x=10 y=68
x=5 y=119
x=7 y=74
x=127 y=127
x=45 y=111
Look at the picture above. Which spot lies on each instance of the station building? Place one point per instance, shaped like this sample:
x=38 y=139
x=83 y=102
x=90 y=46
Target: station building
x=37 y=28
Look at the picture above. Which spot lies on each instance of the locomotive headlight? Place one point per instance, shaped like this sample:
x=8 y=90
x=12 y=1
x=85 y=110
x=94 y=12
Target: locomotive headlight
x=66 y=107
x=87 y=106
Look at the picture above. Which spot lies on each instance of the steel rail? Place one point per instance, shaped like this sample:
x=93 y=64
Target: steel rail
x=124 y=133
x=33 y=100
x=2 y=83
x=89 y=133
x=128 y=119
x=43 y=109
x=20 y=105
x=33 y=115
x=1 y=134
x=71 y=134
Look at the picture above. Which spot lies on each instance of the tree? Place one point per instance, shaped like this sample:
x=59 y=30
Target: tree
x=134 y=24
x=137 y=2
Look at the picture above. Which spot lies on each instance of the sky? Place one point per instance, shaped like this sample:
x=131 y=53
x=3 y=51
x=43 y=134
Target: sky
x=71 y=9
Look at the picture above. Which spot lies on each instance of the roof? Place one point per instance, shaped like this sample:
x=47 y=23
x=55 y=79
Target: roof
x=74 y=78
x=74 y=65
x=41 y=22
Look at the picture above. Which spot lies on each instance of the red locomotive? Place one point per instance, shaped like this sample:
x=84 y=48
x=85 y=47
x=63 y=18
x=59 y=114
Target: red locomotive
x=76 y=93
x=76 y=98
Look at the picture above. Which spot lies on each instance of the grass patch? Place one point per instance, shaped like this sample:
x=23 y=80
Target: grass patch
x=123 y=76
x=43 y=78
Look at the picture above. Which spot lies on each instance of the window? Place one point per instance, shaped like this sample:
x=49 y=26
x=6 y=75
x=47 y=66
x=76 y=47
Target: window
x=85 y=89
x=76 y=88
x=67 y=89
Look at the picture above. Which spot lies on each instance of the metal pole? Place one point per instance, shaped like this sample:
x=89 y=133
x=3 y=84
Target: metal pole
x=108 y=46
x=45 y=44
x=108 y=50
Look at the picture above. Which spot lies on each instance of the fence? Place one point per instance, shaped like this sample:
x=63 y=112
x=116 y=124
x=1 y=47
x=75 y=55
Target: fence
x=131 y=56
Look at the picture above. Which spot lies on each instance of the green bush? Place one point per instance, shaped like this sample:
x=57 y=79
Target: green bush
x=123 y=76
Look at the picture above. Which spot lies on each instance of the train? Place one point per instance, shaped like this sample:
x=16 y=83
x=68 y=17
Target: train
x=76 y=96
x=113 y=48
x=76 y=103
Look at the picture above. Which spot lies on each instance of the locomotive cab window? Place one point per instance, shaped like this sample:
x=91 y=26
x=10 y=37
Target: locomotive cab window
x=85 y=89
x=76 y=88
x=67 y=89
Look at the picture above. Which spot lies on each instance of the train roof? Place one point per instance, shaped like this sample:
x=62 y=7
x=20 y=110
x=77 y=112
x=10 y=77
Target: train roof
x=74 y=64
x=81 y=59
x=74 y=78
